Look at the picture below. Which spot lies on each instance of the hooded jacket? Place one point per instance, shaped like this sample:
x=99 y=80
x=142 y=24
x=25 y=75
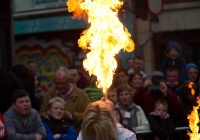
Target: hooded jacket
x=23 y=128
x=179 y=62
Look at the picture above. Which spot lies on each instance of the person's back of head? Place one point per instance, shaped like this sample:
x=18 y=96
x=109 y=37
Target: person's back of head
x=99 y=123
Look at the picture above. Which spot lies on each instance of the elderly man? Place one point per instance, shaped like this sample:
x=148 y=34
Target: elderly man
x=75 y=98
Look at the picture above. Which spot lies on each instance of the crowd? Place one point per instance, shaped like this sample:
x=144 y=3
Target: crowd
x=75 y=108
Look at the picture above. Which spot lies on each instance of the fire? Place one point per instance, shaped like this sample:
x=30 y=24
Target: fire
x=194 y=117
x=104 y=39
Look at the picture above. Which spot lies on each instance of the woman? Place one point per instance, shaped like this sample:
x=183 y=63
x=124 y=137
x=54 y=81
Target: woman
x=99 y=123
x=56 y=127
x=135 y=81
x=133 y=115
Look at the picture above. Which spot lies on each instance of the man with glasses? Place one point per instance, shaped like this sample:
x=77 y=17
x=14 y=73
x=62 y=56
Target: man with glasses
x=76 y=99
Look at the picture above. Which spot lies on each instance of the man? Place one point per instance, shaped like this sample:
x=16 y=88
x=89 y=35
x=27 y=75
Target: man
x=75 y=77
x=75 y=98
x=129 y=63
x=31 y=66
x=23 y=122
x=172 y=80
x=138 y=66
x=121 y=76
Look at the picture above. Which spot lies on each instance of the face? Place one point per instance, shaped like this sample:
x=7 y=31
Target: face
x=138 y=65
x=129 y=63
x=117 y=116
x=62 y=82
x=31 y=67
x=74 y=76
x=125 y=97
x=36 y=82
x=136 y=81
x=161 y=111
x=57 y=110
x=121 y=78
x=172 y=76
x=112 y=96
x=192 y=74
x=173 y=53
x=22 y=106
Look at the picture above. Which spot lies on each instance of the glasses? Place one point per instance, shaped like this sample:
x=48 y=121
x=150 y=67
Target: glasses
x=61 y=83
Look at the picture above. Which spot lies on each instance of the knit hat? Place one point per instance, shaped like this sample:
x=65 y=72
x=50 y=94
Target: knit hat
x=191 y=65
x=173 y=44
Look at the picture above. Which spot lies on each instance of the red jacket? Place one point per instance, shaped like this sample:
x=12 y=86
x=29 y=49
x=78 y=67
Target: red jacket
x=147 y=100
x=2 y=120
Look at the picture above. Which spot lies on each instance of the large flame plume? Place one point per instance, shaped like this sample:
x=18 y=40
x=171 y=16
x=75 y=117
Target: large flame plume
x=194 y=117
x=104 y=39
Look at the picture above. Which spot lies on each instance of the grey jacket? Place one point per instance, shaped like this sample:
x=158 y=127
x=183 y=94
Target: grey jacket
x=17 y=129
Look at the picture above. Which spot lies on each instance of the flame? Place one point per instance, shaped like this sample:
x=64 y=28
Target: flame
x=190 y=86
x=104 y=39
x=194 y=117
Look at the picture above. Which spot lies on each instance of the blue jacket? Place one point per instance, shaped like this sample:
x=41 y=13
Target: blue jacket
x=178 y=62
x=70 y=134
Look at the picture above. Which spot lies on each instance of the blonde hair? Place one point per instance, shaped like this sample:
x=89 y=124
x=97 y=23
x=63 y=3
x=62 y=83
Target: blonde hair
x=53 y=100
x=99 y=123
x=123 y=87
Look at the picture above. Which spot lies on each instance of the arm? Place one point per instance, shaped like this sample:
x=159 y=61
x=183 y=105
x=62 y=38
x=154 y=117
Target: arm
x=48 y=132
x=70 y=135
x=39 y=127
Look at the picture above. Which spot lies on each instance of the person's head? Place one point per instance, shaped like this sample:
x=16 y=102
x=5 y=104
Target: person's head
x=99 y=122
x=62 y=80
x=75 y=77
x=129 y=63
x=31 y=66
x=21 y=102
x=124 y=94
x=112 y=95
x=173 y=50
x=160 y=108
x=192 y=72
x=118 y=115
x=135 y=80
x=186 y=91
x=121 y=76
x=172 y=74
x=56 y=108
x=138 y=64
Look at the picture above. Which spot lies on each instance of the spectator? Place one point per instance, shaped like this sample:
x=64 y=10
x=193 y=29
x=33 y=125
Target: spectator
x=31 y=66
x=2 y=128
x=172 y=81
x=138 y=65
x=23 y=122
x=133 y=115
x=129 y=63
x=75 y=98
x=121 y=76
x=135 y=81
x=99 y=123
x=173 y=57
x=27 y=79
x=9 y=82
x=157 y=91
x=75 y=77
x=192 y=72
x=56 y=127
x=160 y=122
x=112 y=95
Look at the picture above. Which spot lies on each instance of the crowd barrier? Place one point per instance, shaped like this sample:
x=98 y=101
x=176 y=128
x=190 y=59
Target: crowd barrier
x=149 y=132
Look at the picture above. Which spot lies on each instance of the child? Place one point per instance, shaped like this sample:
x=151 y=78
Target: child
x=173 y=57
x=160 y=122
x=112 y=95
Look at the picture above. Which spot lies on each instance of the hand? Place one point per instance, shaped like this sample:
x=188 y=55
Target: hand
x=67 y=114
x=163 y=88
x=38 y=137
x=147 y=82
x=56 y=136
x=2 y=129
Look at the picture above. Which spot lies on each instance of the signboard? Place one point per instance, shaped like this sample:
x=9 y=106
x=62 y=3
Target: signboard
x=31 y=5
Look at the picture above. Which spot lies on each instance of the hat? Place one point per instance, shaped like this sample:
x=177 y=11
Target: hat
x=156 y=77
x=173 y=44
